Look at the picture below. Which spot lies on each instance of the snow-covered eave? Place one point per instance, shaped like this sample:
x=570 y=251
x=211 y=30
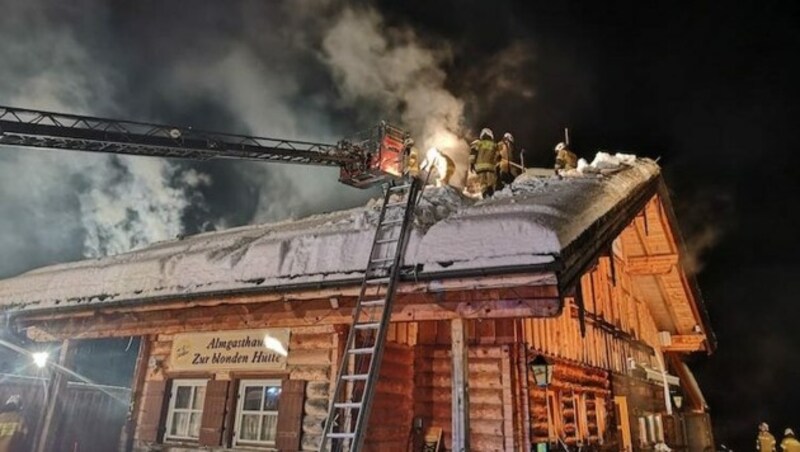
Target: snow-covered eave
x=538 y=275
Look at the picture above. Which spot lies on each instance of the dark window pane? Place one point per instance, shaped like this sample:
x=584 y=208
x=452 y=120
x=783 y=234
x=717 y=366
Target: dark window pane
x=183 y=396
x=252 y=398
x=271 y=396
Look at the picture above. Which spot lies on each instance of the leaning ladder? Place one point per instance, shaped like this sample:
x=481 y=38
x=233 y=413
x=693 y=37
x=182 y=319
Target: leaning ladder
x=351 y=399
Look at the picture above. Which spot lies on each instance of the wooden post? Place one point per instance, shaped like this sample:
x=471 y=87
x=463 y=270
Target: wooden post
x=58 y=383
x=460 y=384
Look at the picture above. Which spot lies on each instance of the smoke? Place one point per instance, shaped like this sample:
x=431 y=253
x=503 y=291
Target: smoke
x=390 y=68
x=59 y=206
x=322 y=72
x=705 y=220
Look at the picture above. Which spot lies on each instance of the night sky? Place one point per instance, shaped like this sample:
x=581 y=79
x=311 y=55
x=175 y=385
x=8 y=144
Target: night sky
x=709 y=87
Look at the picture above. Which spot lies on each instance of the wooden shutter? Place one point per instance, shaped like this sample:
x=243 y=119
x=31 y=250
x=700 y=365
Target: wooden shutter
x=290 y=415
x=214 y=408
x=152 y=411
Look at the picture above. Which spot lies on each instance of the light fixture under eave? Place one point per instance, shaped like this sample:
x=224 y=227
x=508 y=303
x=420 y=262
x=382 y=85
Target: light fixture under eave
x=542 y=370
x=40 y=359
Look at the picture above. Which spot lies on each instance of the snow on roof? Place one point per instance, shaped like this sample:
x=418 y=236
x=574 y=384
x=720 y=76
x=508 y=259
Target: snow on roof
x=528 y=223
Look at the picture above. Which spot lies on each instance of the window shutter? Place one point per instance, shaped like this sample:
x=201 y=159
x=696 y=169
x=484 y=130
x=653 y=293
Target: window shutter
x=214 y=408
x=152 y=411
x=290 y=415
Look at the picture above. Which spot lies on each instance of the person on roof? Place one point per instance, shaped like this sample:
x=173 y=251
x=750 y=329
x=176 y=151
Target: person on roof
x=12 y=425
x=508 y=168
x=439 y=166
x=412 y=157
x=565 y=159
x=789 y=442
x=483 y=161
x=765 y=442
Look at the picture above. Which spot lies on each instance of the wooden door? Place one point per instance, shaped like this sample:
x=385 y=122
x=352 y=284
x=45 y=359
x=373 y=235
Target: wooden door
x=623 y=421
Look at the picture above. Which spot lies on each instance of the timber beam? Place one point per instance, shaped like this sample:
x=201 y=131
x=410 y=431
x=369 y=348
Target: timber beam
x=660 y=264
x=297 y=314
x=686 y=343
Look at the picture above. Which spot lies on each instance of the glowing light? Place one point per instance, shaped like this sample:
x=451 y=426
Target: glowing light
x=275 y=345
x=40 y=359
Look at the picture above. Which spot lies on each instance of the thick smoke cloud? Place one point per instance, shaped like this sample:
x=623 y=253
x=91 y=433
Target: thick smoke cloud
x=390 y=68
x=58 y=206
x=313 y=76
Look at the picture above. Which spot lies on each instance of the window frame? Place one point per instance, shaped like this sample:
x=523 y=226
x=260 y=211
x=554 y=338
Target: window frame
x=176 y=383
x=236 y=440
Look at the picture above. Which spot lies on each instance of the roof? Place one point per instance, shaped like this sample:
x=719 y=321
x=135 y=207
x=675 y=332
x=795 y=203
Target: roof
x=534 y=223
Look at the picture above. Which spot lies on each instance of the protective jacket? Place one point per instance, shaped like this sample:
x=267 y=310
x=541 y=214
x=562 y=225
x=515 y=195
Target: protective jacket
x=12 y=431
x=790 y=444
x=483 y=156
x=765 y=442
x=507 y=156
x=413 y=161
x=566 y=159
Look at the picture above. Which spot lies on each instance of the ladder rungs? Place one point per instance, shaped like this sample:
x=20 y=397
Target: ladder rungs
x=382 y=241
x=383 y=280
x=347 y=405
x=367 y=326
x=381 y=259
x=334 y=435
x=362 y=351
x=355 y=377
x=391 y=222
x=373 y=303
x=396 y=204
x=399 y=187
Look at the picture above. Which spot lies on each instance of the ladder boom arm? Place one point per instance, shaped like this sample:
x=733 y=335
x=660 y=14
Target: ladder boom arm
x=42 y=129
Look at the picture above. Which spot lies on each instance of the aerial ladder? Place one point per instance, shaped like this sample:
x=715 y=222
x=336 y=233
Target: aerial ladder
x=377 y=156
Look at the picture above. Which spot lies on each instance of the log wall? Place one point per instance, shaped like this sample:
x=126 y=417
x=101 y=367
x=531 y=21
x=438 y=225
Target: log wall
x=491 y=405
x=313 y=352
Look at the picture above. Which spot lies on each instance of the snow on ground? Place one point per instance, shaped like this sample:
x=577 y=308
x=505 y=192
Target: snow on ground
x=527 y=223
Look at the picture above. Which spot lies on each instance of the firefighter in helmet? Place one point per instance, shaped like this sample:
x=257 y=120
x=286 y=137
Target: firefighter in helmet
x=565 y=159
x=483 y=161
x=12 y=425
x=508 y=168
x=412 y=157
x=765 y=442
x=789 y=442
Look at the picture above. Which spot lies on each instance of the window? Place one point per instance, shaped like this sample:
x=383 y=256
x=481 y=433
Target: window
x=257 y=412
x=185 y=409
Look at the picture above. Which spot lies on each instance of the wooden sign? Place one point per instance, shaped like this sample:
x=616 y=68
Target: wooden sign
x=264 y=349
x=433 y=439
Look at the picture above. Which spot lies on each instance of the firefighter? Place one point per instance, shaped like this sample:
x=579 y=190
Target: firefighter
x=483 y=161
x=12 y=425
x=765 y=442
x=439 y=162
x=508 y=168
x=412 y=157
x=789 y=442
x=565 y=159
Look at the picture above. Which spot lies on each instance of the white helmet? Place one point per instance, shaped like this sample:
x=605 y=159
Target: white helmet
x=561 y=146
x=507 y=136
x=788 y=432
x=763 y=427
x=14 y=400
x=487 y=132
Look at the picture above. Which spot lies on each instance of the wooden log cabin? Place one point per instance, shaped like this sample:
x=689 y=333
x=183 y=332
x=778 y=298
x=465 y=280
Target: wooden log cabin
x=585 y=271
